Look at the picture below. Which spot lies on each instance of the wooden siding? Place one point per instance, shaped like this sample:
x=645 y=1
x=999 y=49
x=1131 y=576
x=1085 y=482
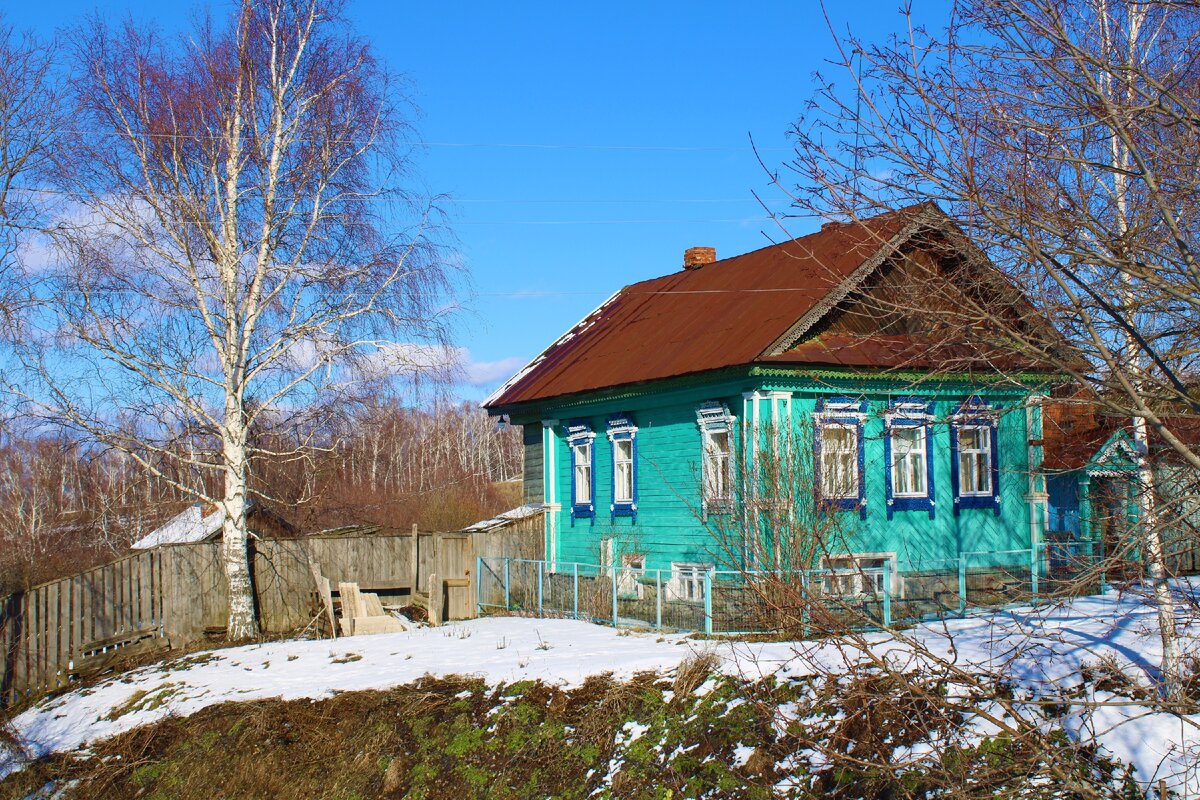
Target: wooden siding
x=534 y=464
x=670 y=527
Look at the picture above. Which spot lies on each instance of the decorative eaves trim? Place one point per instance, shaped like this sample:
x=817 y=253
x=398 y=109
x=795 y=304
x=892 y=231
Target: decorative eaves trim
x=925 y=218
x=1105 y=463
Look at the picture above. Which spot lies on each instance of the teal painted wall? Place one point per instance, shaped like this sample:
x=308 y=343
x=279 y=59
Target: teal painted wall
x=670 y=526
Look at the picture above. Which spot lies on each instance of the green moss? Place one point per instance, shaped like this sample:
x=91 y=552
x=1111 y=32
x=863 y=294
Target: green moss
x=147 y=774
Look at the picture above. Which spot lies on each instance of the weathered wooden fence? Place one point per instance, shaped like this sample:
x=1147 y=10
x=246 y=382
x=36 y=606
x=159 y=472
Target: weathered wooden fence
x=175 y=594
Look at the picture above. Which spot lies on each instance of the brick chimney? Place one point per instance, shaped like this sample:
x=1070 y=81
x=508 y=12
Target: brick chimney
x=698 y=256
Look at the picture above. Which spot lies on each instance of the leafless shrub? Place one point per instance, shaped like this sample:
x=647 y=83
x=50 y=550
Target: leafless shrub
x=691 y=673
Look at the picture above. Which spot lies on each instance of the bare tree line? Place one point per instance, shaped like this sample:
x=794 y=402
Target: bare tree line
x=66 y=504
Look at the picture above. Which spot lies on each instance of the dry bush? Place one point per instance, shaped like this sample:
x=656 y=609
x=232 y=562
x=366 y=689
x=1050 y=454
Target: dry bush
x=691 y=673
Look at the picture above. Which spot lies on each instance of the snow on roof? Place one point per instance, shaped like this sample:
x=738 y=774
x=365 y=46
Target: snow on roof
x=507 y=518
x=185 y=528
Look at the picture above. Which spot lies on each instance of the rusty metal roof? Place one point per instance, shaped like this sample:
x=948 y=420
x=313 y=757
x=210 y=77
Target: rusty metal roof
x=736 y=311
x=1073 y=431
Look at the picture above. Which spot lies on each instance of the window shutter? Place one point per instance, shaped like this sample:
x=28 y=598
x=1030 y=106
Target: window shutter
x=955 y=478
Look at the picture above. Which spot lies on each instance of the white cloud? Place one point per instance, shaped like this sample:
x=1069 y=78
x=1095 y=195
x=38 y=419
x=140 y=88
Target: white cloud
x=442 y=362
x=484 y=373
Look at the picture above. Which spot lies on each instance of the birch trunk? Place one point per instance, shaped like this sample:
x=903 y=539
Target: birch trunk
x=243 y=619
x=1148 y=524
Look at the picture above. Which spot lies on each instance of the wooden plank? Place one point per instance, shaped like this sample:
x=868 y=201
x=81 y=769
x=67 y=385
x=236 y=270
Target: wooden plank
x=325 y=594
x=87 y=624
x=41 y=657
x=104 y=603
x=416 y=562
x=377 y=624
x=65 y=621
x=145 y=615
x=21 y=656
x=372 y=606
x=436 y=607
x=128 y=601
x=348 y=594
x=7 y=650
x=156 y=587
x=76 y=614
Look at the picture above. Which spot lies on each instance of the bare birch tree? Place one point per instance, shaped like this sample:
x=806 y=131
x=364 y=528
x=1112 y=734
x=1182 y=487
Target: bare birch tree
x=239 y=241
x=30 y=118
x=1063 y=138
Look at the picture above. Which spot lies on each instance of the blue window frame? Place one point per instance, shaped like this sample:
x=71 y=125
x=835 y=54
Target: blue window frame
x=975 y=457
x=908 y=456
x=622 y=434
x=838 y=454
x=581 y=440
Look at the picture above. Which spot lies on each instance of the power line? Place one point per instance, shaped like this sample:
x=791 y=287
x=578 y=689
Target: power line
x=658 y=148
x=534 y=294
x=740 y=220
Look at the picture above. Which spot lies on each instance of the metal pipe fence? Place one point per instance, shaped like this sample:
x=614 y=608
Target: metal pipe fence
x=891 y=592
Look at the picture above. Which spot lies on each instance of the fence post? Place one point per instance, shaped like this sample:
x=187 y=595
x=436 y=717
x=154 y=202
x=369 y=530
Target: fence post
x=541 y=566
x=575 y=592
x=962 y=584
x=613 y=571
x=1036 y=566
x=887 y=593
x=708 y=622
x=507 y=603
x=478 y=586
x=1100 y=559
x=805 y=599
x=658 y=598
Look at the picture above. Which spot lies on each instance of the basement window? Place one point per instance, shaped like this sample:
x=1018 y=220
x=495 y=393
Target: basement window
x=858 y=574
x=687 y=581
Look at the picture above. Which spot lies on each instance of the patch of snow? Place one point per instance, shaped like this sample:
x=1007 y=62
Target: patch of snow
x=1040 y=650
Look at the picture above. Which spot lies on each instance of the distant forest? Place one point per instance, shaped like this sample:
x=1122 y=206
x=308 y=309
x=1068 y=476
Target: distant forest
x=65 y=505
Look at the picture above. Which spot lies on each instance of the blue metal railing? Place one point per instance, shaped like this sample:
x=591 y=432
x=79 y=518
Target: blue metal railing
x=723 y=601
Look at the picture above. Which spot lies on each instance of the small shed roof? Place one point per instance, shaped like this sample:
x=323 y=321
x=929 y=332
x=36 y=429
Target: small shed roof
x=508 y=518
x=189 y=526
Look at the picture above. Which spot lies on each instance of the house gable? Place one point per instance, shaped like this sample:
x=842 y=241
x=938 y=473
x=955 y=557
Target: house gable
x=1116 y=457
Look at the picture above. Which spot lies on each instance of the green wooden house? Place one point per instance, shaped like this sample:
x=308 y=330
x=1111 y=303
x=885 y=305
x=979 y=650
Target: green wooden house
x=850 y=364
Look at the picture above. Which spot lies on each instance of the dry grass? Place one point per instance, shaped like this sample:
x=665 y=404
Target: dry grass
x=456 y=737
x=691 y=673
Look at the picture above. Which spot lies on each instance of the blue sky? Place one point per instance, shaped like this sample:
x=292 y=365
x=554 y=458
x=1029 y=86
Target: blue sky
x=584 y=146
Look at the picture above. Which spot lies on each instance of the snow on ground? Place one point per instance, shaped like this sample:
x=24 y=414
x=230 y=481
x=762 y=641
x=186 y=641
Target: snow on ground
x=1040 y=649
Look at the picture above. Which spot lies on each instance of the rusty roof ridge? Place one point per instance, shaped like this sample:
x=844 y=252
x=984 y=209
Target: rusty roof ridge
x=792 y=335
